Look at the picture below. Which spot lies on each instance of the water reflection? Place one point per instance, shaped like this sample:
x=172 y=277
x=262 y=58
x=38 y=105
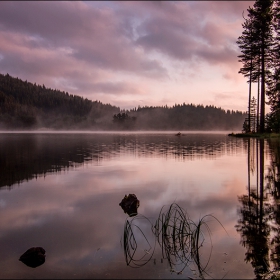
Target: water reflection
x=259 y=212
x=76 y=217
x=27 y=156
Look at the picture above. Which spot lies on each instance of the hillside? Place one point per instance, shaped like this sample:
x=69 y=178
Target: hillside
x=24 y=105
x=27 y=105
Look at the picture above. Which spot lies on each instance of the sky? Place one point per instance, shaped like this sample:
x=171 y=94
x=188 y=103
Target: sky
x=128 y=53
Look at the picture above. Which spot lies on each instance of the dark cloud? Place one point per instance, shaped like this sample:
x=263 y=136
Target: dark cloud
x=54 y=21
x=117 y=57
x=223 y=54
x=190 y=33
x=101 y=37
x=109 y=87
x=94 y=35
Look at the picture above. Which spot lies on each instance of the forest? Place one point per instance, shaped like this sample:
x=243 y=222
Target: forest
x=28 y=106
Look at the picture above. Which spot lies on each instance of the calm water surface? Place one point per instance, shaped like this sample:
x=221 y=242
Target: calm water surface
x=61 y=191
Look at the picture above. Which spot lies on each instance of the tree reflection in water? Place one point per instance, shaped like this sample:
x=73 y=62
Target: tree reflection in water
x=179 y=238
x=273 y=187
x=259 y=223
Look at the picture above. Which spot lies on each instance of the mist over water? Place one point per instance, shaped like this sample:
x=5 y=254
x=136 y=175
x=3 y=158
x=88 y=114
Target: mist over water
x=61 y=191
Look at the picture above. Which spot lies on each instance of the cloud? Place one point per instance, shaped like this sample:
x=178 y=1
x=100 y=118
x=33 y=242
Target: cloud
x=189 y=34
x=92 y=35
x=110 y=87
x=93 y=48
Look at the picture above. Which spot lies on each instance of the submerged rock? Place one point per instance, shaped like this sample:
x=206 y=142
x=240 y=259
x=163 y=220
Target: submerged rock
x=129 y=204
x=33 y=257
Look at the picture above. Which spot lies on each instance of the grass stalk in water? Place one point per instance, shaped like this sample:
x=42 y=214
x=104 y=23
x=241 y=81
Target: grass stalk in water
x=130 y=244
x=198 y=238
x=173 y=233
x=181 y=238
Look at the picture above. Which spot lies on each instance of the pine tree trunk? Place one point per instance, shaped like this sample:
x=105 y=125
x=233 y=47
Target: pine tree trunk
x=258 y=106
x=250 y=94
x=249 y=107
x=262 y=88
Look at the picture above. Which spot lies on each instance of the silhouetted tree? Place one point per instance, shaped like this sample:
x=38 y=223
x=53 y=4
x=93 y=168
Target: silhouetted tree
x=123 y=120
x=262 y=14
x=249 y=59
x=256 y=45
x=274 y=80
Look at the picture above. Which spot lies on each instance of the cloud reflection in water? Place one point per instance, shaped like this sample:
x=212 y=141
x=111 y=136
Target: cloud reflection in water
x=73 y=211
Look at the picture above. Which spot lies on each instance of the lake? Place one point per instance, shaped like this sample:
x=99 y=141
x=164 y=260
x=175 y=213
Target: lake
x=61 y=191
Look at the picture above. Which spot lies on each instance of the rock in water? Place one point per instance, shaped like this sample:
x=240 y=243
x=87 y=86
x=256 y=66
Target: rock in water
x=33 y=257
x=129 y=204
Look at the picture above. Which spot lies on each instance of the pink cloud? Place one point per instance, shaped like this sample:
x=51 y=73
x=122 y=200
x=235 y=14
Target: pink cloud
x=108 y=47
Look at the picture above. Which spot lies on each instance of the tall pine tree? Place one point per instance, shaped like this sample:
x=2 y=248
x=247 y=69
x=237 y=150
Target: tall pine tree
x=249 y=59
x=274 y=81
x=256 y=47
x=263 y=15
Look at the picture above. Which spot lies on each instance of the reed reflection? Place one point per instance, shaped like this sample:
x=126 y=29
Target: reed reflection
x=28 y=156
x=137 y=242
x=259 y=225
x=183 y=243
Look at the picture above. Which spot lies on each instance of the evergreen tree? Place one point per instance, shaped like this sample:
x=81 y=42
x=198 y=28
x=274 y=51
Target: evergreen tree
x=249 y=58
x=262 y=15
x=253 y=112
x=274 y=81
x=256 y=45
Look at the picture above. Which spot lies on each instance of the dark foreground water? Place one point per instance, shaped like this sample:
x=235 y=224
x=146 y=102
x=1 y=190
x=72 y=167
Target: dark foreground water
x=61 y=192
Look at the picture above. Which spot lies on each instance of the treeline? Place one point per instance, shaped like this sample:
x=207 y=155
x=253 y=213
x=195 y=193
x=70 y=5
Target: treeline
x=27 y=105
x=187 y=117
x=24 y=105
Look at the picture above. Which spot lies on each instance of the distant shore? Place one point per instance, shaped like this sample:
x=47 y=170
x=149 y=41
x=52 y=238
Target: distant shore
x=255 y=135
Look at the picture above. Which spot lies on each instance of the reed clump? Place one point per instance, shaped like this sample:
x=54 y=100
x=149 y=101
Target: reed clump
x=179 y=238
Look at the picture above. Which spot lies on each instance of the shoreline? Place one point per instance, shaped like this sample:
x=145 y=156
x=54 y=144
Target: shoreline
x=255 y=135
